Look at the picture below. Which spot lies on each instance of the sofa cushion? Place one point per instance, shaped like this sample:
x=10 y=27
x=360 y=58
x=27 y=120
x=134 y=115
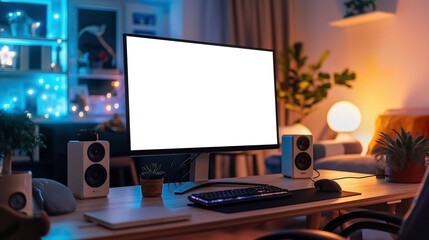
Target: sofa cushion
x=415 y=123
x=348 y=162
x=327 y=148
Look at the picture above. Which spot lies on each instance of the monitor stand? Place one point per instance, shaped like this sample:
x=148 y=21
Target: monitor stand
x=199 y=176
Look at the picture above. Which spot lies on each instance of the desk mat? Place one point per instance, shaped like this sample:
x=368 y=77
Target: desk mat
x=297 y=196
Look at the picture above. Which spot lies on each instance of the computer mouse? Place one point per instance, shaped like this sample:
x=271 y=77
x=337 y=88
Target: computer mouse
x=327 y=185
x=53 y=197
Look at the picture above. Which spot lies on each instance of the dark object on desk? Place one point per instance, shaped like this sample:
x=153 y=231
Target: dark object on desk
x=53 y=197
x=327 y=185
x=15 y=225
x=297 y=197
x=237 y=195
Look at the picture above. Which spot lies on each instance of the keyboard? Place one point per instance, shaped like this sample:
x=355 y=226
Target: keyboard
x=238 y=195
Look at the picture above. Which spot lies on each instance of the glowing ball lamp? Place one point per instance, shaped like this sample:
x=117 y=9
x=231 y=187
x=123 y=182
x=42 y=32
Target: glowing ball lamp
x=344 y=117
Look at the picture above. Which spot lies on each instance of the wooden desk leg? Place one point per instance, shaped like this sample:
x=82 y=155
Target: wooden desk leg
x=313 y=221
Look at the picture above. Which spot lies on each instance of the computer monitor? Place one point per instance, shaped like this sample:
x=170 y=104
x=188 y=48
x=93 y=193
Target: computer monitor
x=194 y=97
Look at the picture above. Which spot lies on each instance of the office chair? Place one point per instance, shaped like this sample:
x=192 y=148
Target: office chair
x=16 y=225
x=412 y=226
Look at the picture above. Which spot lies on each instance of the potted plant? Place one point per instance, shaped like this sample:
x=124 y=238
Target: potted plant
x=17 y=132
x=303 y=86
x=151 y=180
x=356 y=7
x=403 y=155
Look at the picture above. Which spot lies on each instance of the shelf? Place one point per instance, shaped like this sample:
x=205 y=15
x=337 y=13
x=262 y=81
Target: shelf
x=32 y=73
x=30 y=41
x=362 y=18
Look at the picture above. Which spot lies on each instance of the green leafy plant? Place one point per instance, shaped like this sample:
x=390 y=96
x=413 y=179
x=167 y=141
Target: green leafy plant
x=152 y=171
x=17 y=132
x=355 y=7
x=304 y=85
x=402 y=147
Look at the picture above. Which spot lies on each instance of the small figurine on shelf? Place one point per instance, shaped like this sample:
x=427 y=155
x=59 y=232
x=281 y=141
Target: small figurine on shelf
x=355 y=7
x=20 y=24
x=114 y=125
x=7 y=58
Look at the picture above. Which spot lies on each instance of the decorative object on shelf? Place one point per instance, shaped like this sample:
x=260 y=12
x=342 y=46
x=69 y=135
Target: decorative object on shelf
x=20 y=24
x=7 y=58
x=144 y=20
x=29 y=19
x=403 y=155
x=17 y=131
x=79 y=99
x=35 y=26
x=356 y=7
x=344 y=117
x=56 y=67
x=113 y=125
x=97 y=37
x=306 y=86
x=151 y=180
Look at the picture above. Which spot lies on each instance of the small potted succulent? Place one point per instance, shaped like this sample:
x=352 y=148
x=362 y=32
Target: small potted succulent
x=151 y=180
x=404 y=155
x=17 y=132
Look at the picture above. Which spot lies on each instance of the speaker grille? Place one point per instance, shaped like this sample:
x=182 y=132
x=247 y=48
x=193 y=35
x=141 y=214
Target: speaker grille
x=17 y=201
x=96 y=152
x=303 y=161
x=303 y=143
x=95 y=175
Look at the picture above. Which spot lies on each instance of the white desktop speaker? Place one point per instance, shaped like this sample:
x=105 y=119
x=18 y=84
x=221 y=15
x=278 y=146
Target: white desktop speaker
x=16 y=192
x=88 y=168
x=297 y=156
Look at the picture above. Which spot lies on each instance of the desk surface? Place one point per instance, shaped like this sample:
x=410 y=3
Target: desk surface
x=73 y=225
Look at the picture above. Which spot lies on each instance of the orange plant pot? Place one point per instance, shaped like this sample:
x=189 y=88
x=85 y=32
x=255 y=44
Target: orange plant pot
x=412 y=172
x=151 y=187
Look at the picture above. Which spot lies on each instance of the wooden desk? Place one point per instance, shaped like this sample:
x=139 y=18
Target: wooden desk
x=74 y=226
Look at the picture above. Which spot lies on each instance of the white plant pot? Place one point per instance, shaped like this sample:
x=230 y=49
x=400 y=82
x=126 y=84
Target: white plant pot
x=16 y=192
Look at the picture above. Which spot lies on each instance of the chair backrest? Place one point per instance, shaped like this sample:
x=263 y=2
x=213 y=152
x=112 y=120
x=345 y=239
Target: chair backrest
x=415 y=224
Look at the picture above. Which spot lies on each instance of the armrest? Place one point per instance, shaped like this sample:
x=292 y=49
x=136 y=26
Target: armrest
x=303 y=234
x=328 y=148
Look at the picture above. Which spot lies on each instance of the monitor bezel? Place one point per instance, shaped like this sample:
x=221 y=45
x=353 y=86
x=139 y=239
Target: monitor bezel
x=196 y=149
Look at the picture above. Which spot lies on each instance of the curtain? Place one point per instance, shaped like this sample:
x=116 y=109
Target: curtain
x=261 y=24
x=247 y=23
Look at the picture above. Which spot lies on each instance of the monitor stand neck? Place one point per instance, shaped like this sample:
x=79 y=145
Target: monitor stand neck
x=199 y=176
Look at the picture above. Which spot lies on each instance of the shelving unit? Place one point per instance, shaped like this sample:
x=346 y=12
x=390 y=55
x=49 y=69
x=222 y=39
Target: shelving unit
x=34 y=57
x=57 y=66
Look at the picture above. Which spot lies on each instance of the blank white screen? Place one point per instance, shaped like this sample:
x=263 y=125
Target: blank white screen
x=190 y=95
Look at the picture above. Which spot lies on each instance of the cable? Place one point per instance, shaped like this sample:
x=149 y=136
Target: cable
x=372 y=175
x=318 y=175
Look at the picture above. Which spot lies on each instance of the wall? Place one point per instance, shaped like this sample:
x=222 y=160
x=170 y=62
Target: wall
x=389 y=57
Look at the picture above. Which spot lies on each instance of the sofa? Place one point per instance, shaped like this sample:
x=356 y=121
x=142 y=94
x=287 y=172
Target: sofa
x=348 y=155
